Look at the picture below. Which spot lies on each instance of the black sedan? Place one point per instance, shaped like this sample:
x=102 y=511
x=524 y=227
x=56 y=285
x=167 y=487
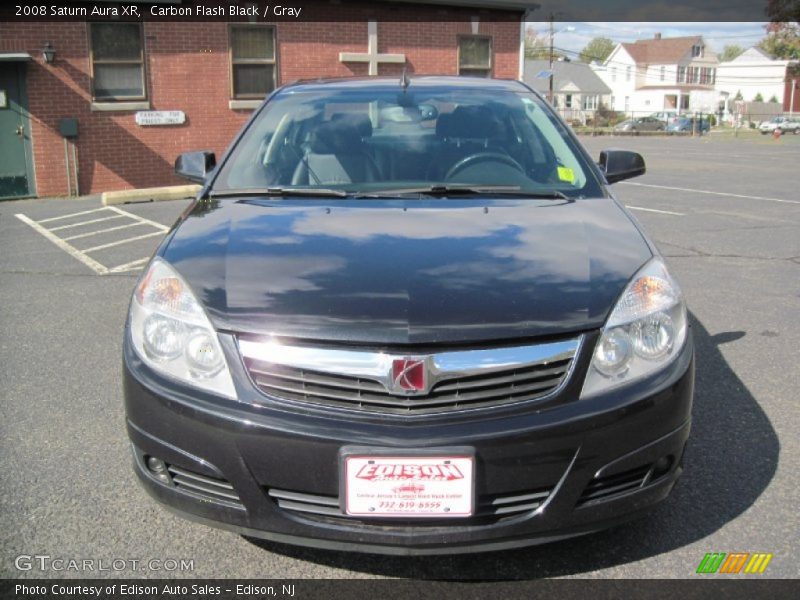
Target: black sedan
x=408 y=317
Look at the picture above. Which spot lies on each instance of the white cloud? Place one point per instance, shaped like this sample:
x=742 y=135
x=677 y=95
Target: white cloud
x=716 y=34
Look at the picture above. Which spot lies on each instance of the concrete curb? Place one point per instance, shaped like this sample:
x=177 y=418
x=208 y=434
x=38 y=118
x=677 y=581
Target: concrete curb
x=173 y=192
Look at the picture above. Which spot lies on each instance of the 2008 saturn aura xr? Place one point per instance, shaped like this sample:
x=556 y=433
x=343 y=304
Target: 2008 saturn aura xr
x=408 y=317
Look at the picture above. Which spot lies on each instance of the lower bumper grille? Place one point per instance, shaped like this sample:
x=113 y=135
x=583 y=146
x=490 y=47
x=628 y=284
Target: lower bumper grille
x=602 y=488
x=202 y=485
x=491 y=508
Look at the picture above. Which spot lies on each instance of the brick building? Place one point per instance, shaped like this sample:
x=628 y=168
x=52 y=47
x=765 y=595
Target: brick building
x=106 y=73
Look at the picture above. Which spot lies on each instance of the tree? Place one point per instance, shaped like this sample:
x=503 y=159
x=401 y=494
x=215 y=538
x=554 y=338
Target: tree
x=758 y=98
x=730 y=52
x=597 y=49
x=774 y=99
x=782 y=40
x=537 y=47
x=738 y=96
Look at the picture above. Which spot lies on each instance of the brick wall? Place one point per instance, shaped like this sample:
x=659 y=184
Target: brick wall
x=187 y=68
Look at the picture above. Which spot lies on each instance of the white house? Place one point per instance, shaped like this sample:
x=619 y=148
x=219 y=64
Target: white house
x=754 y=72
x=577 y=90
x=662 y=74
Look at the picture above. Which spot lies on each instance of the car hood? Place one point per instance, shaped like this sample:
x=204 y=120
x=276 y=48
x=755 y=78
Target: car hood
x=407 y=271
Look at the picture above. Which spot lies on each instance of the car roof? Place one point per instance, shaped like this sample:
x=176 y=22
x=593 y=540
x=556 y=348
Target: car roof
x=415 y=81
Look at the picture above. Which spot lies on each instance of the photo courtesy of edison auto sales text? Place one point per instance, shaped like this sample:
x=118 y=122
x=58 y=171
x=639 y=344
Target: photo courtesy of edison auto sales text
x=174 y=589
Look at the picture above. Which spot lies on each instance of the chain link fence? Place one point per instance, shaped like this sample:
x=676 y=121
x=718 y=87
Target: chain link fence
x=603 y=121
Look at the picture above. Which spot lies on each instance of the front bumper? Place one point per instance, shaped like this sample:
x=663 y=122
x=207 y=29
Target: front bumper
x=600 y=462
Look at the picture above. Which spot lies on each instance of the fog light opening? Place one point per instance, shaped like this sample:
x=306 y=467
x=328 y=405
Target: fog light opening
x=158 y=468
x=663 y=466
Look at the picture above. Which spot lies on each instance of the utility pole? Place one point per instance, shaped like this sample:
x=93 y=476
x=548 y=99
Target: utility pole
x=552 y=35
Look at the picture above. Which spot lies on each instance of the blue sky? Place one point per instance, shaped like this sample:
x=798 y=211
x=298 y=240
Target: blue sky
x=716 y=35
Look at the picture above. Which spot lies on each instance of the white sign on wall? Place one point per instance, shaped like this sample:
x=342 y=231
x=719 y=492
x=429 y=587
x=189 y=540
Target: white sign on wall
x=160 y=117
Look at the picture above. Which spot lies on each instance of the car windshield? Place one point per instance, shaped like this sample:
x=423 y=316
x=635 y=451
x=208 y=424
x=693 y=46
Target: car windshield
x=381 y=139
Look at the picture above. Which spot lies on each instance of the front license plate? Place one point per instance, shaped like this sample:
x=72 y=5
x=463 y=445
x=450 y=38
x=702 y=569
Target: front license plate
x=409 y=486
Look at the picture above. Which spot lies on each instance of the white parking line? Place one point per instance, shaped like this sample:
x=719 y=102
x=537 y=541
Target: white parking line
x=680 y=189
x=654 y=210
x=91 y=233
x=134 y=264
x=77 y=214
x=138 y=218
x=83 y=255
x=71 y=225
x=120 y=242
x=72 y=251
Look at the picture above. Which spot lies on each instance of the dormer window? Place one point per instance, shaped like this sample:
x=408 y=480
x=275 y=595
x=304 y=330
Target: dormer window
x=697 y=51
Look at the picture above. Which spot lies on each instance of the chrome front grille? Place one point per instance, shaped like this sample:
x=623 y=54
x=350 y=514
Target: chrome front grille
x=361 y=380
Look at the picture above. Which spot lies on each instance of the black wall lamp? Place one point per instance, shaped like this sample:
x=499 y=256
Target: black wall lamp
x=48 y=53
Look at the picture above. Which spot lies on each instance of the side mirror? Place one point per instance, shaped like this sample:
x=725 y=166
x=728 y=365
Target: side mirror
x=195 y=166
x=621 y=164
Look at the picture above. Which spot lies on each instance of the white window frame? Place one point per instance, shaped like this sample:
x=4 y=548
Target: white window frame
x=141 y=62
x=234 y=62
x=484 y=69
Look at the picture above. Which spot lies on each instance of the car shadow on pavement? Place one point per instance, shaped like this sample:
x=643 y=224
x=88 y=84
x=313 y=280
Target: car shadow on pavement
x=731 y=459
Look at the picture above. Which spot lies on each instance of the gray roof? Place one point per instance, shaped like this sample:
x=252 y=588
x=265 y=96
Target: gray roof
x=580 y=74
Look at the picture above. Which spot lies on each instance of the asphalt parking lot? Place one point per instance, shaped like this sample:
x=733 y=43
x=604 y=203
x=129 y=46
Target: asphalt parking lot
x=726 y=214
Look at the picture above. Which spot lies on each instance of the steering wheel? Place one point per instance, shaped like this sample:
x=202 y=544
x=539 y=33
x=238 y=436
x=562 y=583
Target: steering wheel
x=483 y=157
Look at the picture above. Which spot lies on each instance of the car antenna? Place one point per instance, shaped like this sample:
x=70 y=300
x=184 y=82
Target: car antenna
x=404 y=80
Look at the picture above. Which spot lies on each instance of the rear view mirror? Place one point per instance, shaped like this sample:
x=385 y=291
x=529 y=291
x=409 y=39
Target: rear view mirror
x=618 y=165
x=195 y=166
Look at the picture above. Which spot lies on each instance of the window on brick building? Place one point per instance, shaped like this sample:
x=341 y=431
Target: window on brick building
x=475 y=56
x=253 y=72
x=117 y=52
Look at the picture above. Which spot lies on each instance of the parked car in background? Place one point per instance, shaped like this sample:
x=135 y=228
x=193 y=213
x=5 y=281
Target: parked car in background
x=641 y=124
x=666 y=116
x=784 y=124
x=686 y=125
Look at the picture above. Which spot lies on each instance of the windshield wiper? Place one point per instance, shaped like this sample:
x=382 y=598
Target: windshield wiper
x=466 y=190
x=280 y=192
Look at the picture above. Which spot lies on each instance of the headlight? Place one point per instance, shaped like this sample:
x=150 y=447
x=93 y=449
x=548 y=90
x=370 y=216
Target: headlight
x=643 y=334
x=172 y=334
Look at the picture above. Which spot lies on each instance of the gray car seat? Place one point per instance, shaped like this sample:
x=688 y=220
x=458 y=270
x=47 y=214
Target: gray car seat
x=337 y=154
